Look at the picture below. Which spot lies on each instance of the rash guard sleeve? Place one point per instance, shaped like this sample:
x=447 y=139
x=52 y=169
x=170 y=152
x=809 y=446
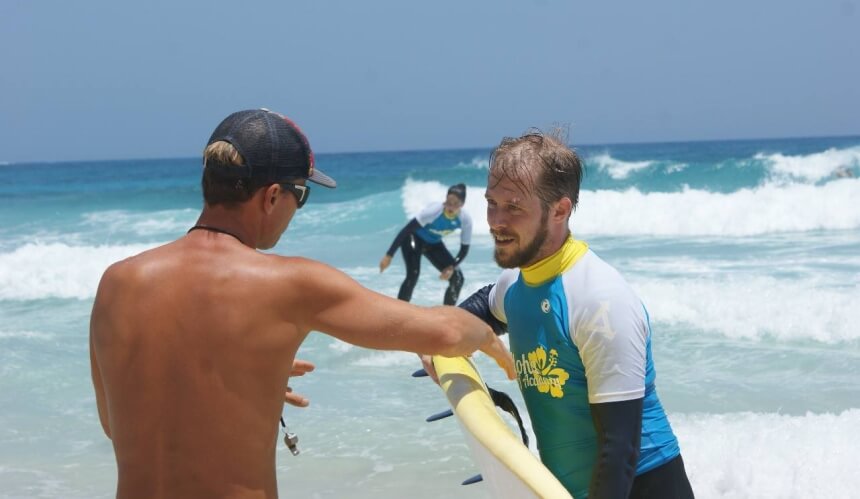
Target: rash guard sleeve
x=479 y=305
x=464 y=250
x=465 y=228
x=408 y=229
x=618 y=426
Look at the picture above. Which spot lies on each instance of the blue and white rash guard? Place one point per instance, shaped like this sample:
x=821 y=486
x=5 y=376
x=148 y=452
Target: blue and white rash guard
x=435 y=224
x=580 y=335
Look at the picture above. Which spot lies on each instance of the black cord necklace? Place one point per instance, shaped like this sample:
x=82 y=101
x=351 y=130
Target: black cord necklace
x=215 y=229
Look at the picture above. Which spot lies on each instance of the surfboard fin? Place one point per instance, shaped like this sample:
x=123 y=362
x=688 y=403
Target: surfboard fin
x=440 y=415
x=421 y=373
x=474 y=479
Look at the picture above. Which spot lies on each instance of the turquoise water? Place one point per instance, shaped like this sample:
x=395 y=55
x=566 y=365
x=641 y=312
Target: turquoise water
x=747 y=254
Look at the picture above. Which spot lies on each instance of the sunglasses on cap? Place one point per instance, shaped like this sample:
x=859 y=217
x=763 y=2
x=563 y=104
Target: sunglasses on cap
x=301 y=192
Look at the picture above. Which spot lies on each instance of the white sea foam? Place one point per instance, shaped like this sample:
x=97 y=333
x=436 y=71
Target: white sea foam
x=749 y=455
x=739 y=455
x=387 y=359
x=328 y=214
x=617 y=168
x=741 y=304
x=340 y=347
x=755 y=307
x=147 y=223
x=811 y=167
x=767 y=209
x=478 y=163
x=28 y=335
x=757 y=455
x=676 y=167
x=57 y=270
x=417 y=194
x=754 y=454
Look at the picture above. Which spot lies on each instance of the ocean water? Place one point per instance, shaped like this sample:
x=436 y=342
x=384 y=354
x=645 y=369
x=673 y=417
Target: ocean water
x=747 y=254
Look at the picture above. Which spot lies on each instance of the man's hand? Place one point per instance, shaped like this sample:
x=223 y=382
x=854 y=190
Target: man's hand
x=499 y=352
x=300 y=368
x=495 y=349
x=427 y=361
x=384 y=263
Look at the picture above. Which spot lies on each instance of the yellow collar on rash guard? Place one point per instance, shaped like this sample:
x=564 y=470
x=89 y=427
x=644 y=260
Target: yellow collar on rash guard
x=557 y=263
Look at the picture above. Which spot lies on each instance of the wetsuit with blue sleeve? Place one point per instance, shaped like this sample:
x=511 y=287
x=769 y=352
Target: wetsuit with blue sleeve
x=581 y=341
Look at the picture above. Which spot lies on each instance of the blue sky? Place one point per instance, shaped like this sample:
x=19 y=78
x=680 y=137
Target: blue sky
x=106 y=79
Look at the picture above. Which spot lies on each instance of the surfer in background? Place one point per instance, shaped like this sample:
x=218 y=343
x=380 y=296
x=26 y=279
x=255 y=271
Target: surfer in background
x=423 y=235
x=192 y=343
x=580 y=336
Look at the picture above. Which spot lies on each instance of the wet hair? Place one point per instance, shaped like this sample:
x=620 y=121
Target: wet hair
x=458 y=190
x=219 y=189
x=541 y=162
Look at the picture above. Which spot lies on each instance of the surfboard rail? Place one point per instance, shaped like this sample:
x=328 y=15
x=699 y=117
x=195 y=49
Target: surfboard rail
x=507 y=466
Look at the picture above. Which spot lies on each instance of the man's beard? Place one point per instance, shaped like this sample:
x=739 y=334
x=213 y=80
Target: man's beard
x=527 y=254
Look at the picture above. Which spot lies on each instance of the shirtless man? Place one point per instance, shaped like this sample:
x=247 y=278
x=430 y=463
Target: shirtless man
x=192 y=343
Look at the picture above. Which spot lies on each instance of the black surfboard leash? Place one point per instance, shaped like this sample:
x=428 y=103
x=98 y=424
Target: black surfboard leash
x=504 y=402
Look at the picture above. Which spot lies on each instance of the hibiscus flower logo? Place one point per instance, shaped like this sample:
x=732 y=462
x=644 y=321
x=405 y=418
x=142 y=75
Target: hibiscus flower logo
x=546 y=376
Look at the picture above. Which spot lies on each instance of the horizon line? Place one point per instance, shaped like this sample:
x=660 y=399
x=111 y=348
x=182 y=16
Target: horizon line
x=437 y=149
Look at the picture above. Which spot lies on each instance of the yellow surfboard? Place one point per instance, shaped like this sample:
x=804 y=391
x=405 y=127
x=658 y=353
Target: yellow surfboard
x=507 y=466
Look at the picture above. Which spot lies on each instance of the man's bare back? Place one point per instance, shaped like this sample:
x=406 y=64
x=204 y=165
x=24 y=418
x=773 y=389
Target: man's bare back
x=193 y=350
x=193 y=343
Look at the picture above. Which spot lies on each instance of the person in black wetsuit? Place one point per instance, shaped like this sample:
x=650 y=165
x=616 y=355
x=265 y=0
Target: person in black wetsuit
x=423 y=235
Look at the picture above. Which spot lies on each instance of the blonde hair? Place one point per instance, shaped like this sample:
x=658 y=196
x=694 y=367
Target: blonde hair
x=222 y=153
x=539 y=162
x=218 y=189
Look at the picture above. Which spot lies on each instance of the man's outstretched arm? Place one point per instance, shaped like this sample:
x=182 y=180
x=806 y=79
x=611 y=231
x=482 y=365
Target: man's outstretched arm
x=478 y=304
